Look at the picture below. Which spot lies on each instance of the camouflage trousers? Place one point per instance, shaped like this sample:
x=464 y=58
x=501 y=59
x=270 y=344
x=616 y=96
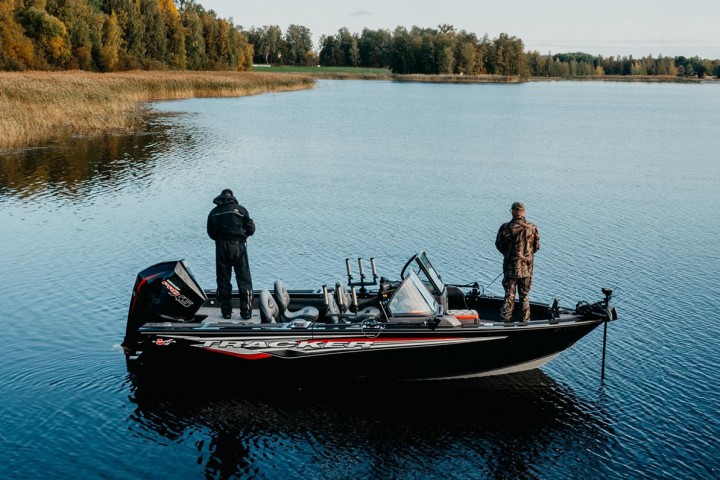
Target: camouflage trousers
x=523 y=286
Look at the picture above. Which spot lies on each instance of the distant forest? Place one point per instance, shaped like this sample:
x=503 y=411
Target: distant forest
x=115 y=35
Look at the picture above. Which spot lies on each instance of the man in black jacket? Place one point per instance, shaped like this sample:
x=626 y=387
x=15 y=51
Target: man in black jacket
x=229 y=224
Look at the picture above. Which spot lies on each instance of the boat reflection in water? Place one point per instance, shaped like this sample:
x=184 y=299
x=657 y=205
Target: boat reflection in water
x=498 y=427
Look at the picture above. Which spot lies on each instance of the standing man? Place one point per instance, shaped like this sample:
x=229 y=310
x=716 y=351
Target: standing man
x=517 y=240
x=229 y=224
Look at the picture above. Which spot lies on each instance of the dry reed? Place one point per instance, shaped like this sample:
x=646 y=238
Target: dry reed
x=36 y=106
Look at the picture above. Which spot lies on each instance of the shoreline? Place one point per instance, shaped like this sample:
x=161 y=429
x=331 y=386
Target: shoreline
x=37 y=107
x=353 y=73
x=626 y=78
x=435 y=78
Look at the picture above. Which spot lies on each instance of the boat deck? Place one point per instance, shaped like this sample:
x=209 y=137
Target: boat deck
x=213 y=314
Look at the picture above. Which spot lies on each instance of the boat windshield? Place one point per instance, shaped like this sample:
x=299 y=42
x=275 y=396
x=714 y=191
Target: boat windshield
x=430 y=272
x=412 y=299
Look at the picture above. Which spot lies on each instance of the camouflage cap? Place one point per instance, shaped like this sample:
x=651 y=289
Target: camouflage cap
x=518 y=206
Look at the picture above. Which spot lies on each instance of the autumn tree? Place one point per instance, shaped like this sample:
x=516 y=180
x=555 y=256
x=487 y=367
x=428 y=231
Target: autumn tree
x=109 y=54
x=48 y=33
x=507 y=56
x=154 y=34
x=538 y=65
x=298 y=44
x=84 y=23
x=194 y=40
x=131 y=23
x=16 y=50
x=174 y=33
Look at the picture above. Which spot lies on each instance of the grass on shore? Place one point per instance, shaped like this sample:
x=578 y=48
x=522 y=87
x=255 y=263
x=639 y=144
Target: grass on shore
x=330 y=72
x=37 y=106
x=359 y=73
x=385 y=74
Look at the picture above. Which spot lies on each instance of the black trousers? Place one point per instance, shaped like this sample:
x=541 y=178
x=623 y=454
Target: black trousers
x=232 y=255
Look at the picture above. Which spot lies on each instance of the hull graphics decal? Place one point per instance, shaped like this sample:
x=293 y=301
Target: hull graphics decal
x=263 y=348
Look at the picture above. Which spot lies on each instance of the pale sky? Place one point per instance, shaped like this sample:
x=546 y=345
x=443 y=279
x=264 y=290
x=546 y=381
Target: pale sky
x=598 y=27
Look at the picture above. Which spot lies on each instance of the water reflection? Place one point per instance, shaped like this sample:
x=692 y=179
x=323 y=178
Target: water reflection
x=75 y=164
x=513 y=426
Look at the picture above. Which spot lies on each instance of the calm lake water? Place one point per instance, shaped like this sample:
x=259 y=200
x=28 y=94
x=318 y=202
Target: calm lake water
x=622 y=180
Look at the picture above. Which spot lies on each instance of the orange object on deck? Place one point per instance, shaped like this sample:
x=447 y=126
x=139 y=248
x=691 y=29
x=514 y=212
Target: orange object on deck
x=465 y=316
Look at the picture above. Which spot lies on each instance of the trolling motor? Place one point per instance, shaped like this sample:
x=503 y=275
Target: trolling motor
x=598 y=310
x=362 y=283
x=608 y=295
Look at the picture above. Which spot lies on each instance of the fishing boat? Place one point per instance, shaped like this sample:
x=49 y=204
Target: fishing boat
x=412 y=327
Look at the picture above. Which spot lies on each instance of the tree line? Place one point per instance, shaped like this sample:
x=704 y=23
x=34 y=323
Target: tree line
x=112 y=35
x=445 y=50
x=583 y=64
x=417 y=50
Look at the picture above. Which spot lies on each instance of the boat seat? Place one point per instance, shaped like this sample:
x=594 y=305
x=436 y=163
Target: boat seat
x=345 y=301
x=282 y=297
x=269 y=311
x=334 y=314
x=333 y=311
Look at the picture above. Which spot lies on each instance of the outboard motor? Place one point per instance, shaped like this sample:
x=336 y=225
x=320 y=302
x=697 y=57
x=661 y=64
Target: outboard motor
x=165 y=292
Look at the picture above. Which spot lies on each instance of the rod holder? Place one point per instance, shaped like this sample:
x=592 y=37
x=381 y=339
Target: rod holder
x=349 y=270
x=363 y=281
x=360 y=267
x=354 y=300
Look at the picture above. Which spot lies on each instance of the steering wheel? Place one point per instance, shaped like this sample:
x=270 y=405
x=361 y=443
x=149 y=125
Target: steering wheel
x=402 y=272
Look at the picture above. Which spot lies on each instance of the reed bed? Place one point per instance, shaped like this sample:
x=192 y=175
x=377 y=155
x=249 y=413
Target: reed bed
x=37 y=106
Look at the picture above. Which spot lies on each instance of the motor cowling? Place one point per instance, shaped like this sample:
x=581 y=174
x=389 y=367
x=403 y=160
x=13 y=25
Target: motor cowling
x=166 y=291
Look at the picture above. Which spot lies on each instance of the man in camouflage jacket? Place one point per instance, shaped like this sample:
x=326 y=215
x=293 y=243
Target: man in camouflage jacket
x=517 y=240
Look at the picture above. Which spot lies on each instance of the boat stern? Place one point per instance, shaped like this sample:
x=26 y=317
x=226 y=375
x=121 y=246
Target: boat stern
x=166 y=291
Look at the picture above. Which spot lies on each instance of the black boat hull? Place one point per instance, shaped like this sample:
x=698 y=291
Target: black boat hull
x=388 y=353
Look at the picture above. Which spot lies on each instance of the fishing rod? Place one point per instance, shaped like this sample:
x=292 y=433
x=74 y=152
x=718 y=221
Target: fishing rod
x=495 y=279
